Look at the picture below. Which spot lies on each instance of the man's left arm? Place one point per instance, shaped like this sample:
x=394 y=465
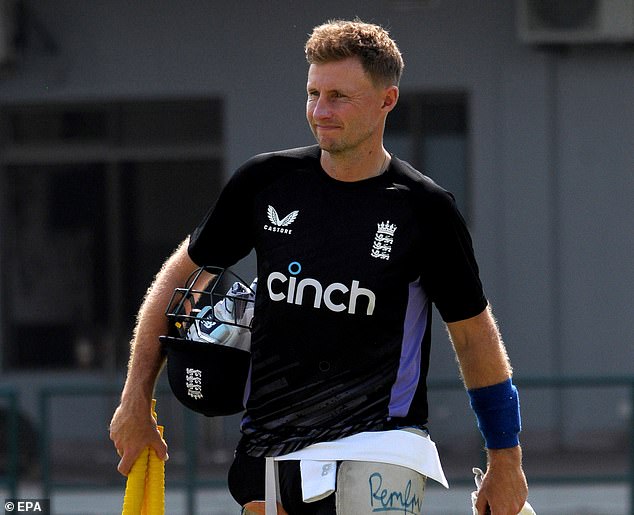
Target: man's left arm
x=486 y=372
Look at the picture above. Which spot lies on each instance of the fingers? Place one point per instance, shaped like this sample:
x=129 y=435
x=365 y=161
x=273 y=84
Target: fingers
x=505 y=506
x=482 y=506
x=160 y=448
x=126 y=462
x=129 y=455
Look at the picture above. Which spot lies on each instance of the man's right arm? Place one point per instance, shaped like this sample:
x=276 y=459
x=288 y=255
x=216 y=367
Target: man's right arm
x=132 y=427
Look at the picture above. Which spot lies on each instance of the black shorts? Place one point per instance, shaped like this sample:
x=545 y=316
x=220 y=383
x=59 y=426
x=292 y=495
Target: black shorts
x=246 y=484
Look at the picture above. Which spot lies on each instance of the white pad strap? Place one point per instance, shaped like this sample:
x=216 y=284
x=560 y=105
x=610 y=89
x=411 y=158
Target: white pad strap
x=271 y=495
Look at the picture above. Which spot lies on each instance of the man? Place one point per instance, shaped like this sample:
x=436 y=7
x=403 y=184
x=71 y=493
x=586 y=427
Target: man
x=352 y=246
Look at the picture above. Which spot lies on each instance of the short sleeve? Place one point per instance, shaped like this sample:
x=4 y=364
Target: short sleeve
x=225 y=235
x=451 y=276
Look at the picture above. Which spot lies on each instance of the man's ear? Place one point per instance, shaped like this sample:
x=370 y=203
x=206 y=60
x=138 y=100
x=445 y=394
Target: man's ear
x=390 y=98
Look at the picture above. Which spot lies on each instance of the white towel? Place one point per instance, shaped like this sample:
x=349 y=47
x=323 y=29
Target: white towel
x=319 y=479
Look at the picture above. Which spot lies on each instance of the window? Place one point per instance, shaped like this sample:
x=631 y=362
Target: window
x=94 y=198
x=430 y=132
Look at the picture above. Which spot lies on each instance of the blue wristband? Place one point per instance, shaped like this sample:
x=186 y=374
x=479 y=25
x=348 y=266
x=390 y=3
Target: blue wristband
x=497 y=409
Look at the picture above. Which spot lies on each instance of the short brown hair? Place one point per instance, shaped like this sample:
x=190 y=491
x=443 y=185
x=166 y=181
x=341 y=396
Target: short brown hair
x=340 y=39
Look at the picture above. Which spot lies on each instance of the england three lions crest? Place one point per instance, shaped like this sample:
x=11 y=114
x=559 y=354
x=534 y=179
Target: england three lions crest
x=194 y=383
x=383 y=239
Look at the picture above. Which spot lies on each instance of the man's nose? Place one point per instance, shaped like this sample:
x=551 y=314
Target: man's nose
x=321 y=109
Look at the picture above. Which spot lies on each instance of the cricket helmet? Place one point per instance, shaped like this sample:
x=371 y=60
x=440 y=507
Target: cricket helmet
x=208 y=343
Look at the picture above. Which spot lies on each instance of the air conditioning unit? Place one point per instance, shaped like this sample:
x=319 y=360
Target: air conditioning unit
x=575 y=21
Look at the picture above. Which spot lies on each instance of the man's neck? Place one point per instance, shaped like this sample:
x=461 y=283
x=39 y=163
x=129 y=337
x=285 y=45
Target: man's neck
x=350 y=167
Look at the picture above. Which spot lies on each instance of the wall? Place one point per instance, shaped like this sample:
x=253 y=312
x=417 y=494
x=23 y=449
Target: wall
x=552 y=142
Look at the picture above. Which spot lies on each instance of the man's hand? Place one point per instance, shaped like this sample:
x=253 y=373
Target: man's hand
x=504 y=490
x=132 y=429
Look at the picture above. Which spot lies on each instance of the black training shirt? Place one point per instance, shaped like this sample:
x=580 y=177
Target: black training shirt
x=346 y=274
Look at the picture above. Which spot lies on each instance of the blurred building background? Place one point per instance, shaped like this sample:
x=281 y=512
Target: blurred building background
x=120 y=121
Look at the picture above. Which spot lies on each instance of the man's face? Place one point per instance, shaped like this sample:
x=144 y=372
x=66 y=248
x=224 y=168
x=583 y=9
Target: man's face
x=345 y=110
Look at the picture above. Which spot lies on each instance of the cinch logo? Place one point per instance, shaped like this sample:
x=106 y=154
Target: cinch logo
x=336 y=297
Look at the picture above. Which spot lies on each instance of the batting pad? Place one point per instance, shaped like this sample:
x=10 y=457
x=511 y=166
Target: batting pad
x=365 y=487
